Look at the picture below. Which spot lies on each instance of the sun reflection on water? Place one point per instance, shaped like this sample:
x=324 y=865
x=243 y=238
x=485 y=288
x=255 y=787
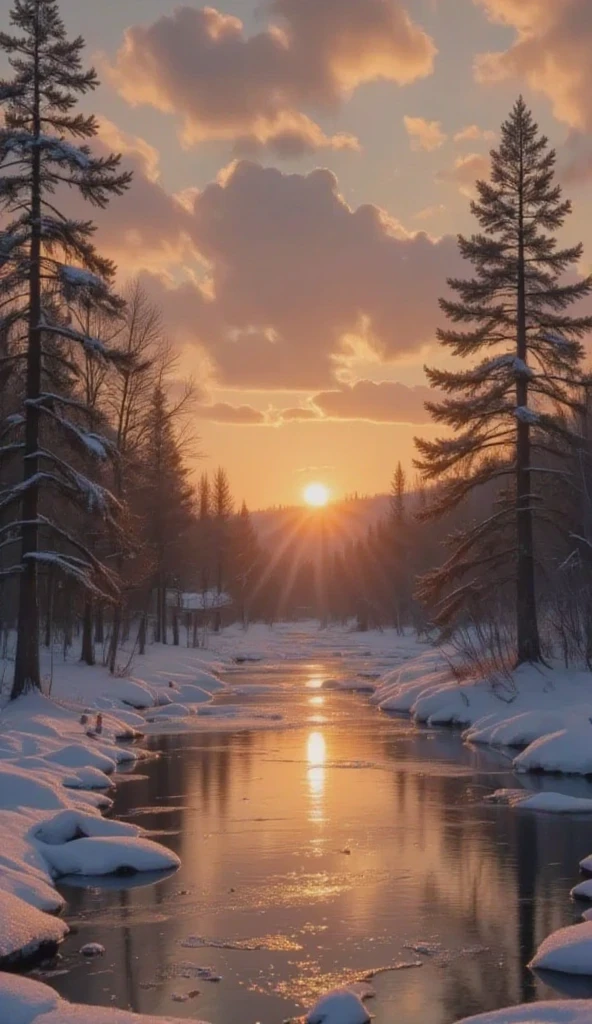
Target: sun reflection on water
x=316 y=755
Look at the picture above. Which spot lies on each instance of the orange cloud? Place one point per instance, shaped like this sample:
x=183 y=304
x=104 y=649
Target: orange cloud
x=200 y=65
x=466 y=172
x=295 y=276
x=424 y=134
x=384 y=402
x=551 y=52
x=472 y=133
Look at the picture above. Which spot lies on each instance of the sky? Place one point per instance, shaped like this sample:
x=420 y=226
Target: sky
x=302 y=169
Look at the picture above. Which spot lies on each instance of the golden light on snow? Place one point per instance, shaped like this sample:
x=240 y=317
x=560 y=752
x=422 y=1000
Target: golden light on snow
x=316 y=495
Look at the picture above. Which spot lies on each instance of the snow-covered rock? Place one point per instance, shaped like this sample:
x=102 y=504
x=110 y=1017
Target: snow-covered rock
x=560 y=1011
x=582 y=891
x=26 y=931
x=568 y=950
x=342 y=1006
x=106 y=855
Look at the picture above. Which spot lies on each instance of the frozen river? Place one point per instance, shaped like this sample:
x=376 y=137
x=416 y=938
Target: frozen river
x=319 y=853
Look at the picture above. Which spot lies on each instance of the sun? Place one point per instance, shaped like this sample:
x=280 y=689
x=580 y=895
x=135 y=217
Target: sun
x=316 y=495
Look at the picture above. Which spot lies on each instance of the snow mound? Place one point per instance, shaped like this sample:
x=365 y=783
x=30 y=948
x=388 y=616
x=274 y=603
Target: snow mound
x=568 y=751
x=554 y=803
x=582 y=891
x=87 y=778
x=568 y=950
x=20 y=788
x=190 y=693
x=107 y=855
x=68 y=825
x=571 y=1011
x=518 y=731
x=23 y=1001
x=26 y=930
x=168 y=711
x=342 y=1006
x=76 y=755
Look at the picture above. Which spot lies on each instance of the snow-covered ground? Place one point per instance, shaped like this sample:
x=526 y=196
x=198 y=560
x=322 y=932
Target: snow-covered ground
x=544 y=713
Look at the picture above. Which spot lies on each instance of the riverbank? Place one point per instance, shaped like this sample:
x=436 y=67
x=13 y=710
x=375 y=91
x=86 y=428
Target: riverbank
x=545 y=713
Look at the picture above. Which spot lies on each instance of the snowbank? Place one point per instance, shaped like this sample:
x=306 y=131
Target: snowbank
x=546 y=711
x=54 y=766
x=568 y=950
x=26 y=932
x=571 y=1011
x=23 y=1001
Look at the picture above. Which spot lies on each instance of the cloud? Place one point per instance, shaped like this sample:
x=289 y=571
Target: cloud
x=296 y=279
x=299 y=413
x=148 y=228
x=430 y=211
x=473 y=133
x=551 y=52
x=424 y=134
x=223 y=412
x=385 y=402
x=201 y=65
x=575 y=159
x=466 y=172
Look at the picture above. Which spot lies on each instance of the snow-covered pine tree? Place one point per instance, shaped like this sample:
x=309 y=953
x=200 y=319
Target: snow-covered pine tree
x=505 y=411
x=48 y=267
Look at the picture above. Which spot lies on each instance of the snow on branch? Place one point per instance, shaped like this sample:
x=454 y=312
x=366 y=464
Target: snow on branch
x=94 y=444
x=526 y=415
x=71 y=566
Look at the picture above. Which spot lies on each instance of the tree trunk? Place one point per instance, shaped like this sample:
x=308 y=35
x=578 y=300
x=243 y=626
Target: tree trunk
x=114 y=641
x=175 y=618
x=49 y=609
x=27 y=673
x=163 y=615
x=99 y=625
x=88 y=648
x=527 y=632
x=142 y=635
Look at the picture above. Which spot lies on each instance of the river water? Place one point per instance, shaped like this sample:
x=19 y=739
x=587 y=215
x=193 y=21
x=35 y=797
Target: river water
x=315 y=854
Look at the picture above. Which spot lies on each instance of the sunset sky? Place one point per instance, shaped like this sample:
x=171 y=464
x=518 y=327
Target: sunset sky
x=301 y=170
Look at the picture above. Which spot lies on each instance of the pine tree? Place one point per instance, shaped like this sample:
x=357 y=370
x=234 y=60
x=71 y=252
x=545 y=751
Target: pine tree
x=397 y=540
x=168 y=500
x=49 y=267
x=244 y=561
x=204 y=534
x=222 y=507
x=505 y=411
